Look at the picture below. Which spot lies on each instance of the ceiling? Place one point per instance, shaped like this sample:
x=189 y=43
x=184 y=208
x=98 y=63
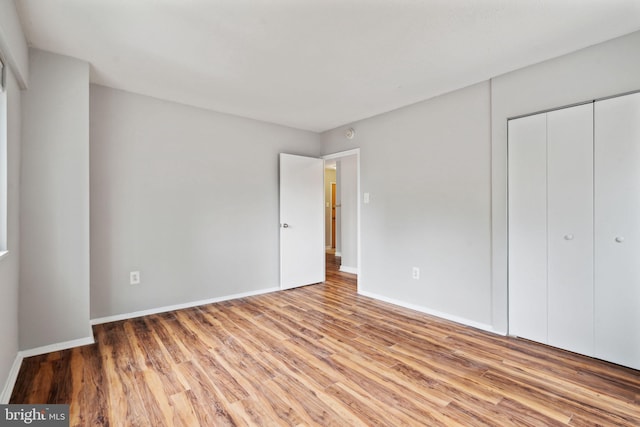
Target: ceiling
x=314 y=64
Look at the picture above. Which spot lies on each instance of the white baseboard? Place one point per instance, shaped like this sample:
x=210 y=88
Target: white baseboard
x=457 y=319
x=11 y=380
x=347 y=269
x=157 y=310
x=57 y=347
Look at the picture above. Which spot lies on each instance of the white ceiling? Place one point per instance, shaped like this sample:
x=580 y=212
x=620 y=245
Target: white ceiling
x=314 y=64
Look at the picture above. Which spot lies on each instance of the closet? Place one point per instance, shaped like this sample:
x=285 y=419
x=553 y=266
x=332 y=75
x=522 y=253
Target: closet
x=574 y=228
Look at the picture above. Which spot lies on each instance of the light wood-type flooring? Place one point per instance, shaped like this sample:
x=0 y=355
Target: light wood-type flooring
x=322 y=355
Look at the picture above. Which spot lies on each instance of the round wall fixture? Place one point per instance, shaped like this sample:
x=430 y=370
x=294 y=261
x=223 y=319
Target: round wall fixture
x=350 y=133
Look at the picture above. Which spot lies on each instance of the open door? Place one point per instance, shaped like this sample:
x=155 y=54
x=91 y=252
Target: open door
x=301 y=221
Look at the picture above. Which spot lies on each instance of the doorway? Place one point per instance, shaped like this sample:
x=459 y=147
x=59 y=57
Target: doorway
x=342 y=208
x=302 y=244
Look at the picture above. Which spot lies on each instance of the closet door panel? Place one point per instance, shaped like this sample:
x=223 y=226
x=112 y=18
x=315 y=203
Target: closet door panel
x=617 y=231
x=570 y=228
x=528 y=228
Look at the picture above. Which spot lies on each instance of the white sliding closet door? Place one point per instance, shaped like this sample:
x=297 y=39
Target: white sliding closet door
x=570 y=228
x=528 y=227
x=617 y=230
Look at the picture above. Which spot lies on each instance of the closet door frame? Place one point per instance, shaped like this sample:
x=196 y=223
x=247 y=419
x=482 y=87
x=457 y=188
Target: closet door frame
x=616 y=238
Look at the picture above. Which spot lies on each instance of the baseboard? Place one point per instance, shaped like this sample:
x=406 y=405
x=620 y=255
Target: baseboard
x=347 y=269
x=446 y=316
x=57 y=347
x=11 y=380
x=164 y=309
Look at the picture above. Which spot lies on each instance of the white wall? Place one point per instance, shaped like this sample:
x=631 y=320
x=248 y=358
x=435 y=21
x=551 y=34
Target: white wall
x=348 y=211
x=186 y=196
x=9 y=265
x=602 y=70
x=54 y=227
x=427 y=168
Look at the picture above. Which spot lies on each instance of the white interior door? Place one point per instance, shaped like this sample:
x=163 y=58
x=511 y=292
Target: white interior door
x=528 y=227
x=570 y=228
x=617 y=228
x=302 y=259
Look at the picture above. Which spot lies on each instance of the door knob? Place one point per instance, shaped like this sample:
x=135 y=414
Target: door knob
x=619 y=239
x=568 y=237
x=285 y=225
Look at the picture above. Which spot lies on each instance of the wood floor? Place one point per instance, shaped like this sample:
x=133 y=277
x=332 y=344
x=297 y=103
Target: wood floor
x=322 y=355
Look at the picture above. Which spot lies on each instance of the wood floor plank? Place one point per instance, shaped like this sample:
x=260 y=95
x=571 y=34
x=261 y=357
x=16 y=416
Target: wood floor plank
x=183 y=413
x=438 y=369
x=91 y=408
x=389 y=392
x=361 y=406
x=322 y=355
x=270 y=394
x=161 y=325
x=43 y=384
x=205 y=397
x=76 y=366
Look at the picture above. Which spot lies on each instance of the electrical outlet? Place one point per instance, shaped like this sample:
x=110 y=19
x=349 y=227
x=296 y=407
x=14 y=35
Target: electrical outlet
x=415 y=273
x=134 y=278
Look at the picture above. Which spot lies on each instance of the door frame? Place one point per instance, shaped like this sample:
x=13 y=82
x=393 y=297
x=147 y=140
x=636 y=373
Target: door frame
x=338 y=156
